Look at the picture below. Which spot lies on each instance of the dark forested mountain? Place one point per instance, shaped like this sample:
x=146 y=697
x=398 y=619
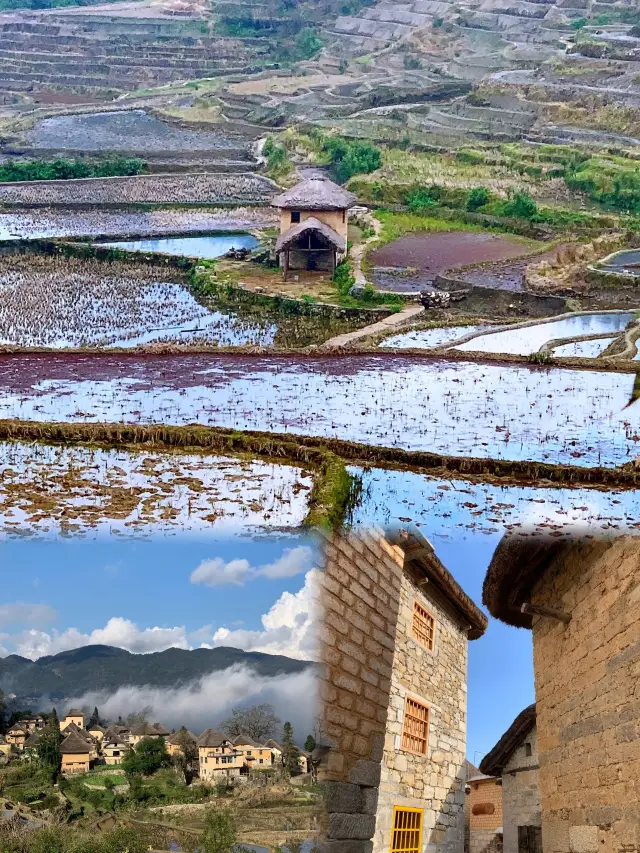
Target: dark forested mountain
x=105 y=669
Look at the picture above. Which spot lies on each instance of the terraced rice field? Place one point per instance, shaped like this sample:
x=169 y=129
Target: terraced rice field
x=460 y=509
x=531 y=338
x=457 y=408
x=53 y=490
x=60 y=302
x=121 y=130
x=193 y=188
x=430 y=338
x=104 y=223
x=213 y=246
x=432 y=254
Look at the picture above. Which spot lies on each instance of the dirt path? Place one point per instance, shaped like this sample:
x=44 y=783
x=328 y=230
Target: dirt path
x=389 y=322
x=358 y=252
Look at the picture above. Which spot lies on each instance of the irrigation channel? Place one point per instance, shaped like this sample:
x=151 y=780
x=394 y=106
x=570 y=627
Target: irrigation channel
x=457 y=408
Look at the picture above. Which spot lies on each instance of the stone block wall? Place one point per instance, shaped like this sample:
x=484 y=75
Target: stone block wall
x=588 y=706
x=432 y=782
x=359 y=599
x=520 y=792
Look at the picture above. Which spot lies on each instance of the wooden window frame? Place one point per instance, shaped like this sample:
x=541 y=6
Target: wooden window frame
x=418 y=605
x=397 y=848
x=417 y=701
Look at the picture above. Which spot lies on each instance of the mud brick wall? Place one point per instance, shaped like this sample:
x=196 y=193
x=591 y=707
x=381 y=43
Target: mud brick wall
x=482 y=827
x=432 y=782
x=588 y=709
x=520 y=792
x=359 y=597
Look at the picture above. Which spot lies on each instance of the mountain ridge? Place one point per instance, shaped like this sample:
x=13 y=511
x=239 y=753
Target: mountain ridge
x=100 y=668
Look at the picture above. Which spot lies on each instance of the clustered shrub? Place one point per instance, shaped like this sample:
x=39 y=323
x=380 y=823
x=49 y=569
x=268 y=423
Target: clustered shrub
x=63 y=169
x=351 y=157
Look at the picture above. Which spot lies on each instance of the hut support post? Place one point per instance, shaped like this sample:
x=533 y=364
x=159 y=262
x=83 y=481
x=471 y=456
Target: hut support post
x=286 y=263
x=333 y=261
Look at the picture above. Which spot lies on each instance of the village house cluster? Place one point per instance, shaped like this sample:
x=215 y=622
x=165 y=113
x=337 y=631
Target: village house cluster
x=87 y=745
x=562 y=779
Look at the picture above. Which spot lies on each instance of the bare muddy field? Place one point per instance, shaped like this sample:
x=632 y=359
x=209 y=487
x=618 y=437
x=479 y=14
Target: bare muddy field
x=458 y=408
x=508 y=275
x=56 y=301
x=130 y=130
x=432 y=254
x=104 y=223
x=192 y=188
x=52 y=490
x=459 y=509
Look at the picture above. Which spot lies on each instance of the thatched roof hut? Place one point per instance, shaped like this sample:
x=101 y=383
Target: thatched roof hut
x=315 y=194
x=307 y=227
x=73 y=744
x=420 y=557
x=494 y=761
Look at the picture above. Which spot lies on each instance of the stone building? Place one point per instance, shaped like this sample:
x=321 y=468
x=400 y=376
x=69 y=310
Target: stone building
x=314 y=225
x=581 y=599
x=484 y=810
x=515 y=760
x=394 y=642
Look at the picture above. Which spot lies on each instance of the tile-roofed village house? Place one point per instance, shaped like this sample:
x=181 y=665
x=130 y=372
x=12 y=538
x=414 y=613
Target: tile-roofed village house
x=394 y=695
x=113 y=747
x=313 y=225
x=515 y=759
x=218 y=757
x=256 y=755
x=76 y=754
x=580 y=598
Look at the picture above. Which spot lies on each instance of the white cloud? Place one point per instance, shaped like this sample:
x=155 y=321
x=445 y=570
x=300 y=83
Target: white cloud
x=25 y=613
x=217 y=572
x=208 y=701
x=289 y=626
x=117 y=632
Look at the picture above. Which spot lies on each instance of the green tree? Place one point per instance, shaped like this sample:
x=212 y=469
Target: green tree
x=290 y=752
x=310 y=743
x=3 y=708
x=478 y=197
x=351 y=157
x=220 y=834
x=148 y=756
x=186 y=760
x=94 y=719
x=48 y=746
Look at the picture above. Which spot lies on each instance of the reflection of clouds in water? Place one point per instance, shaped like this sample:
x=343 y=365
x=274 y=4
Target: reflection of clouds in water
x=457 y=509
x=463 y=409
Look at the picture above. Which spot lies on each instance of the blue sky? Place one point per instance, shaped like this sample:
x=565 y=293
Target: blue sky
x=167 y=585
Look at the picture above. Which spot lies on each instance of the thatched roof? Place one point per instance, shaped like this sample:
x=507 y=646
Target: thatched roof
x=272 y=744
x=74 y=712
x=145 y=730
x=315 y=194
x=494 y=761
x=32 y=740
x=73 y=744
x=310 y=224
x=517 y=564
x=96 y=728
x=419 y=554
x=211 y=738
x=161 y=730
x=177 y=737
x=244 y=740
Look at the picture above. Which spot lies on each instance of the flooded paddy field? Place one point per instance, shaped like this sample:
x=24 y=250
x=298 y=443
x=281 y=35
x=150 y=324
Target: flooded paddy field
x=530 y=338
x=54 y=301
x=190 y=188
x=430 y=338
x=209 y=246
x=626 y=262
x=458 y=509
x=105 y=223
x=432 y=254
x=120 y=130
x=558 y=415
x=50 y=490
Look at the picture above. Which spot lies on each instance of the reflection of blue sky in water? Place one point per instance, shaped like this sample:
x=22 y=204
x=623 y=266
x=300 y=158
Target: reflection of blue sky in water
x=429 y=338
x=452 y=509
x=462 y=409
x=529 y=339
x=583 y=349
x=213 y=246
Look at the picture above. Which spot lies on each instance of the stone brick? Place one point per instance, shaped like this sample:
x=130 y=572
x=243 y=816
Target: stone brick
x=351 y=826
x=583 y=839
x=343 y=798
